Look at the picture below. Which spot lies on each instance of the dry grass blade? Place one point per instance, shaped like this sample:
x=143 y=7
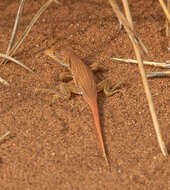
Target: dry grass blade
x=15 y=29
x=127 y=12
x=156 y=64
x=15 y=61
x=165 y=9
x=27 y=30
x=4 y=82
x=4 y=136
x=143 y=75
x=129 y=18
x=168 y=23
x=158 y=74
x=130 y=30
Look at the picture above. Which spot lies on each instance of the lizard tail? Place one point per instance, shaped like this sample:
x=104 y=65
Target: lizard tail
x=95 y=112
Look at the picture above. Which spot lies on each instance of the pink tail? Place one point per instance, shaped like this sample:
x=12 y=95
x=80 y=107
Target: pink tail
x=95 y=112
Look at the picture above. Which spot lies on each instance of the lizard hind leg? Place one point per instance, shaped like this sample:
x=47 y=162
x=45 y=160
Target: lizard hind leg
x=64 y=92
x=66 y=89
x=105 y=86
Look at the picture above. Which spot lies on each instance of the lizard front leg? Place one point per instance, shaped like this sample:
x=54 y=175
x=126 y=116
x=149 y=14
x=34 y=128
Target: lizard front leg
x=106 y=87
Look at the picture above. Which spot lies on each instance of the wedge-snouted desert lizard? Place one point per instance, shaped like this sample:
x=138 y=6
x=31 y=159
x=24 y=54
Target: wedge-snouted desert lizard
x=85 y=85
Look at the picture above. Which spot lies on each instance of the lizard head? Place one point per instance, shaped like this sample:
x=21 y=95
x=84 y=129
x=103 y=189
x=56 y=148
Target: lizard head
x=61 y=56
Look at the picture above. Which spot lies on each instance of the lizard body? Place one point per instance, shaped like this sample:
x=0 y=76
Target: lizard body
x=85 y=85
x=85 y=81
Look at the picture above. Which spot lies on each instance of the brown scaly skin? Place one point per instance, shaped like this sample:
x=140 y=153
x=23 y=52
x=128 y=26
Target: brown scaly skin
x=85 y=85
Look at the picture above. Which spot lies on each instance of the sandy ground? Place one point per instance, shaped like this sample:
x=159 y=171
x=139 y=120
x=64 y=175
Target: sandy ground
x=54 y=146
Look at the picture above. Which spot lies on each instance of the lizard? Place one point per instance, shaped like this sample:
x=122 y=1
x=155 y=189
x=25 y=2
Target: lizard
x=84 y=84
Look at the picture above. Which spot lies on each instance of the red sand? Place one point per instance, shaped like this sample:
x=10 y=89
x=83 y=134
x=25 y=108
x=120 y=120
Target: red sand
x=54 y=146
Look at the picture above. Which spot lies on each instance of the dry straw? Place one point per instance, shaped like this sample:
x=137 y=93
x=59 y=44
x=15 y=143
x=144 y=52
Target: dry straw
x=156 y=64
x=15 y=61
x=4 y=82
x=16 y=25
x=4 y=136
x=13 y=47
x=158 y=74
x=150 y=74
x=137 y=48
x=165 y=9
x=168 y=23
x=27 y=30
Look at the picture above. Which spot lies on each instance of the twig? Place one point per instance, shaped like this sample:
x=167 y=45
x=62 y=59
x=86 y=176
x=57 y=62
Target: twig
x=27 y=30
x=130 y=30
x=4 y=136
x=165 y=10
x=15 y=61
x=16 y=25
x=167 y=23
x=127 y=12
x=158 y=74
x=156 y=64
x=143 y=75
x=4 y=82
